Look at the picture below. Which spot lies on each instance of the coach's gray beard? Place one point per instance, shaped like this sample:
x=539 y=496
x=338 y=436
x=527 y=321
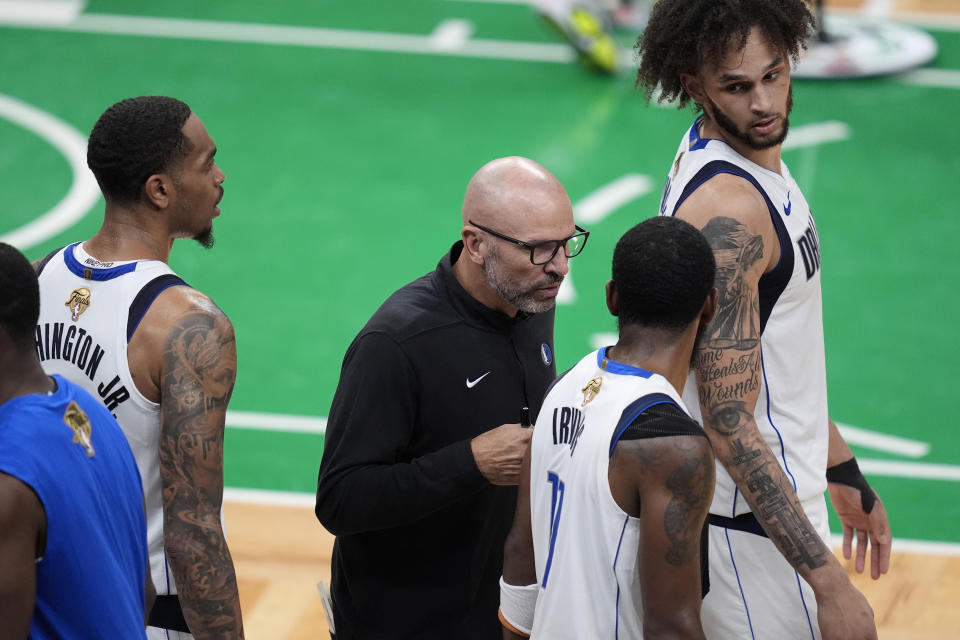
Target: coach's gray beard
x=512 y=291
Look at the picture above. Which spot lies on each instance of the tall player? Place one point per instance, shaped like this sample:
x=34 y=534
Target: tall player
x=760 y=372
x=160 y=356
x=615 y=488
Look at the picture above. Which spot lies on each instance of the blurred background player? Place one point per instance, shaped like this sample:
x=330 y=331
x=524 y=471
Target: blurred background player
x=588 y=26
x=73 y=548
x=161 y=356
x=615 y=490
x=760 y=370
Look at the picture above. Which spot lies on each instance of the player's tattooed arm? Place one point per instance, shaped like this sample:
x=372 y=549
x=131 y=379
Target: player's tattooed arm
x=675 y=488
x=728 y=372
x=200 y=366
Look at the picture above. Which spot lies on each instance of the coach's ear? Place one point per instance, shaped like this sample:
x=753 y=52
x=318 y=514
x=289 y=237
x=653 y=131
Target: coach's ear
x=693 y=87
x=473 y=243
x=613 y=299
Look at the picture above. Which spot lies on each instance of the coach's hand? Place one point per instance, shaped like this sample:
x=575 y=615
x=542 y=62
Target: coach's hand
x=499 y=453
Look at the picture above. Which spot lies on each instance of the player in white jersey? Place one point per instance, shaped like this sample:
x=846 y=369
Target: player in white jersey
x=614 y=492
x=760 y=377
x=161 y=356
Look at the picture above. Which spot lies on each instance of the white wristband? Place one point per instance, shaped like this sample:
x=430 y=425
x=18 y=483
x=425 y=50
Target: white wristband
x=517 y=605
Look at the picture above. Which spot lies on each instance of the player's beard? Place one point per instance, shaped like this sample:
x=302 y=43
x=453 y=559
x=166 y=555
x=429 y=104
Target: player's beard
x=514 y=292
x=205 y=238
x=730 y=127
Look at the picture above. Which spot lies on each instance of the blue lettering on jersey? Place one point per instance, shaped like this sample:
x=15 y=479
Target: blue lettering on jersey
x=809 y=245
x=788 y=206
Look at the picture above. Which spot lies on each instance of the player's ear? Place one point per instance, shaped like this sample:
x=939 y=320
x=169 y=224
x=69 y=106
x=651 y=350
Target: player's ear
x=693 y=87
x=472 y=241
x=613 y=299
x=157 y=189
x=709 y=308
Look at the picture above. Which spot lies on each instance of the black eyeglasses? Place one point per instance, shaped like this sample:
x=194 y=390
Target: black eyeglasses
x=543 y=252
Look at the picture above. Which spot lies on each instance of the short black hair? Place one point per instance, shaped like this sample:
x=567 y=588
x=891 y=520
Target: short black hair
x=19 y=296
x=682 y=35
x=134 y=139
x=663 y=270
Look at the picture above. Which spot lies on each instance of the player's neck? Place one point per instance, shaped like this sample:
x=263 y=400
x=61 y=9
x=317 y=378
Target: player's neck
x=125 y=236
x=766 y=158
x=655 y=350
x=28 y=376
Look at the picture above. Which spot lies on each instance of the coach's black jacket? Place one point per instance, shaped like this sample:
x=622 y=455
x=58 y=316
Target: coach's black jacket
x=420 y=532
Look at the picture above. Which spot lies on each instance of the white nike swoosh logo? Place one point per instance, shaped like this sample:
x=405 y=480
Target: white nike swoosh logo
x=472 y=383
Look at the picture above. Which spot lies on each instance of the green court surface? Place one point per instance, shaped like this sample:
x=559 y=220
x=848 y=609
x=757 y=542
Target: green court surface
x=346 y=167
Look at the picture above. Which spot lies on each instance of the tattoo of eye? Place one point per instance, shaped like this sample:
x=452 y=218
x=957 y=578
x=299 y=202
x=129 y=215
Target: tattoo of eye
x=688 y=484
x=735 y=251
x=728 y=417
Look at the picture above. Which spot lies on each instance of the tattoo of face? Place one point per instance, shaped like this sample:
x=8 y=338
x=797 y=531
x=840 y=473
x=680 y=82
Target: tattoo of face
x=689 y=483
x=199 y=373
x=735 y=251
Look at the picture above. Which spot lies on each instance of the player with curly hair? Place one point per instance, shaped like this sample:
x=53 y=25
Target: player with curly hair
x=759 y=382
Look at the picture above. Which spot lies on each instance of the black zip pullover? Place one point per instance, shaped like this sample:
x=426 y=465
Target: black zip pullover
x=420 y=531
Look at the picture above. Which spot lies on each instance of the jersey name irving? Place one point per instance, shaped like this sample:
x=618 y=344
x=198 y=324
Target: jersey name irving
x=568 y=424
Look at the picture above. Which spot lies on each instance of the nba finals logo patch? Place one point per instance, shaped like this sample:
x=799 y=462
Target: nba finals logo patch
x=79 y=423
x=78 y=302
x=591 y=390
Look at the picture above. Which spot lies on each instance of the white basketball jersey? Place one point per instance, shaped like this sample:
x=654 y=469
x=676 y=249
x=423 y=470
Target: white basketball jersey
x=586 y=545
x=88 y=311
x=791 y=410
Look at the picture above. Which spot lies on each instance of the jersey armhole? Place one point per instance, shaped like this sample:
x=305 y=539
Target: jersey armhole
x=145 y=298
x=43 y=263
x=633 y=410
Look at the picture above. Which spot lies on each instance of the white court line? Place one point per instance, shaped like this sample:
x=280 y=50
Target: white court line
x=883 y=442
x=598 y=205
x=83 y=192
x=811 y=135
x=40 y=11
x=332 y=38
x=276 y=422
x=937 y=78
x=269 y=498
x=297 y=499
x=451 y=35
x=914 y=470
x=310 y=37
x=607 y=199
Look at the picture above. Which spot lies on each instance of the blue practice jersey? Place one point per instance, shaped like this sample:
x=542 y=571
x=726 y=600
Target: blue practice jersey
x=68 y=448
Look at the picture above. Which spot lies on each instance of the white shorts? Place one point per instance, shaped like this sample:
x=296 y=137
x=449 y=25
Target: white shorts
x=153 y=633
x=754 y=592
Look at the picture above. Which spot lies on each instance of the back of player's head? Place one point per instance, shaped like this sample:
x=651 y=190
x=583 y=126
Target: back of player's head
x=683 y=35
x=19 y=296
x=134 y=139
x=663 y=270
